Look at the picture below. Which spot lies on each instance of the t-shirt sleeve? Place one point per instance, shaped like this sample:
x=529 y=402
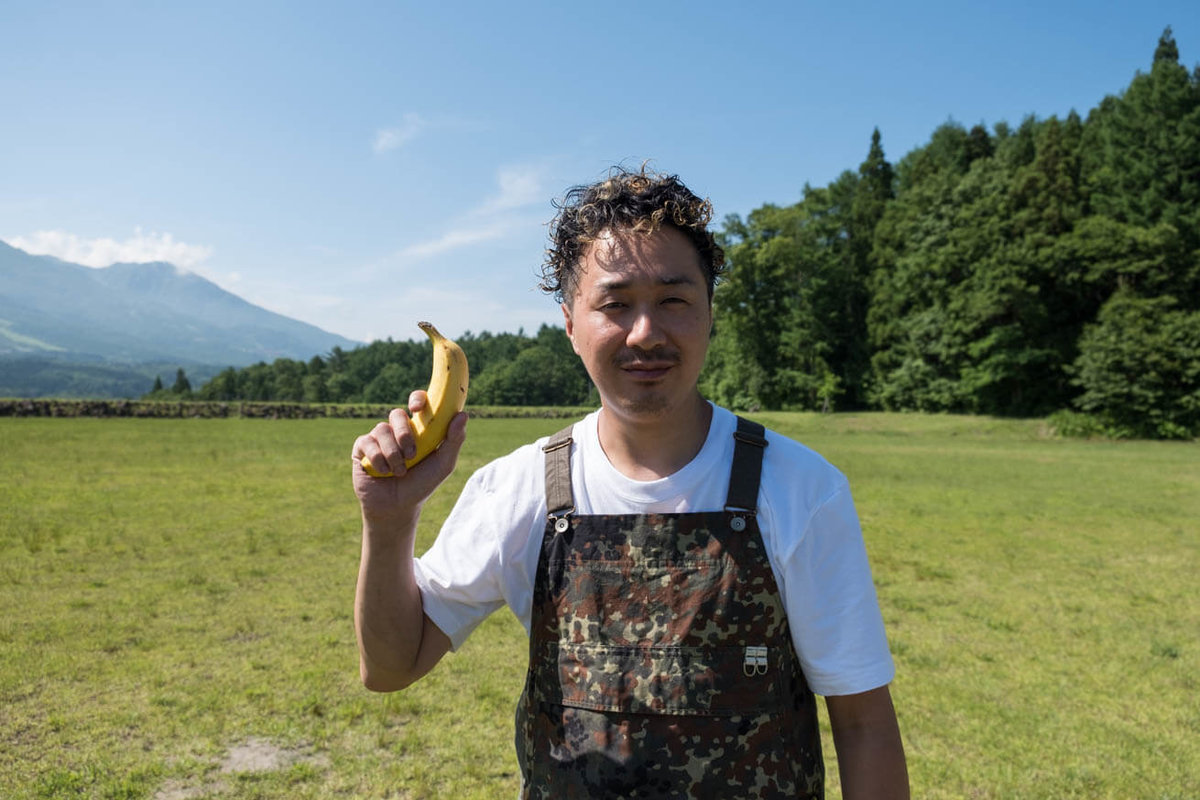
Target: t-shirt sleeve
x=832 y=607
x=459 y=576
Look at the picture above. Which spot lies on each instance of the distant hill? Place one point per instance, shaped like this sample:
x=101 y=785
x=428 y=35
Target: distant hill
x=61 y=322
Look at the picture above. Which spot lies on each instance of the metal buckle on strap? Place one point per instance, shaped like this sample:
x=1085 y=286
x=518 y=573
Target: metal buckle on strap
x=756 y=661
x=749 y=438
x=737 y=522
x=561 y=523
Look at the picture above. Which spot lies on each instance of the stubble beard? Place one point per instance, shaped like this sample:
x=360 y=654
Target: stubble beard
x=653 y=406
x=653 y=401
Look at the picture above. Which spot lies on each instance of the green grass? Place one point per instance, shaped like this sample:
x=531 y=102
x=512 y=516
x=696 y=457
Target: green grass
x=176 y=592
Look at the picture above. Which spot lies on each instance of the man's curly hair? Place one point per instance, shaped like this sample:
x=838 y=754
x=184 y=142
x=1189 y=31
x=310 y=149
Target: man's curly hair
x=640 y=201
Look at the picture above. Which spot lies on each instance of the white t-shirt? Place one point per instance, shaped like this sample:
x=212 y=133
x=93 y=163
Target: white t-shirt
x=486 y=554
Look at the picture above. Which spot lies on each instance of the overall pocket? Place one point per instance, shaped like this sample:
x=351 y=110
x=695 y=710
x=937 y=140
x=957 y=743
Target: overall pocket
x=699 y=681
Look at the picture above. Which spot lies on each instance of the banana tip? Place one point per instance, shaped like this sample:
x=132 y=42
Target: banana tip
x=430 y=331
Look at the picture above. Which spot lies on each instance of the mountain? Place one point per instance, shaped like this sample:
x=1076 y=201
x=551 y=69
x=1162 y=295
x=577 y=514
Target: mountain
x=133 y=315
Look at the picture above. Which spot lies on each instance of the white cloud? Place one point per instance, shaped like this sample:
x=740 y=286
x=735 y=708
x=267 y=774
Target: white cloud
x=452 y=240
x=519 y=186
x=139 y=248
x=390 y=138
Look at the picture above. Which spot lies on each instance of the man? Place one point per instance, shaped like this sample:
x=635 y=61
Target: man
x=689 y=580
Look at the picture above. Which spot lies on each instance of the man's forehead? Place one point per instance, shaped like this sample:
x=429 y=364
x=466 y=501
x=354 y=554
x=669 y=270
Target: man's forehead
x=607 y=278
x=620 y=259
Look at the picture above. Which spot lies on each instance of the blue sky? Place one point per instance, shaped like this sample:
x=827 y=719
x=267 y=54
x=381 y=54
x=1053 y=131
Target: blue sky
x=361 y=166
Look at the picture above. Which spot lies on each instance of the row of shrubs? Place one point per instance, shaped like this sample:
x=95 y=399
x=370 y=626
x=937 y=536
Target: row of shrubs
x=273 y=410
x=1069 y=424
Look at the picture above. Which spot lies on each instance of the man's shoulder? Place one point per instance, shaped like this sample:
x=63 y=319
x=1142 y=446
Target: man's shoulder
x=795 y=454
x=794 y=468
x=784 y=451
x=797 y=483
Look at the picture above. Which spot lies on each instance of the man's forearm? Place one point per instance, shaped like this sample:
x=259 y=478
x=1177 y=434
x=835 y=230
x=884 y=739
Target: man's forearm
x=388 y=618
x=872 y=767
x=870 y=754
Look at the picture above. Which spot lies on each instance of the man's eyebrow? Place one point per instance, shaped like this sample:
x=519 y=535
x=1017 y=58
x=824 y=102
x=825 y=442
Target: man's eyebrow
x=685 y=278
x=617 y=284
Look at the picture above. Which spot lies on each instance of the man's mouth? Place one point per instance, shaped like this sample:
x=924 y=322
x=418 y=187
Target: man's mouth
x=647 y=371
x=651 y=368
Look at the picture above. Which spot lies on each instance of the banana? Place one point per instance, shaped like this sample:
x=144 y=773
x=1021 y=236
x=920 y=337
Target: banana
x=447 y=396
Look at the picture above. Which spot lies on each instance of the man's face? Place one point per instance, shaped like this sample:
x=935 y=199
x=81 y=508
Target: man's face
x=640 y=319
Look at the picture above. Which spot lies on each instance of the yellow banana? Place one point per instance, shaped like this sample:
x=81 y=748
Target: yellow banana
x=447 y=396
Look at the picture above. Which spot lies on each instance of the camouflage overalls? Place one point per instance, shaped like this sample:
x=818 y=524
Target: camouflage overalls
x=660 y=660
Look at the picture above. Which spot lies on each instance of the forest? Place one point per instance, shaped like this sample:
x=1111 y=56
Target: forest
x=1046 y=268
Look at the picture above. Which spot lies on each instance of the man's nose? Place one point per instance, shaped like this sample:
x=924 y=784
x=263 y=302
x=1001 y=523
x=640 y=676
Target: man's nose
x=646 y=330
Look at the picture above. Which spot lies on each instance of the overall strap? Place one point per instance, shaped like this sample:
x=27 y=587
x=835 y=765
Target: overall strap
x=746 y=471
x=559 y=499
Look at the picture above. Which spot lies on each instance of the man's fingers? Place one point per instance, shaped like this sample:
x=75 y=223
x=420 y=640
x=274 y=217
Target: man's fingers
x=368 y=466
x=402 y=433
x=368 y=456
x=359 y=448
x=390 y=444
x=381 y=449
x=417 y=401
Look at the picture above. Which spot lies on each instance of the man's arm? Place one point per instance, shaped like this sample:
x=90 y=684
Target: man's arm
x=869 y=751
x=397 y=643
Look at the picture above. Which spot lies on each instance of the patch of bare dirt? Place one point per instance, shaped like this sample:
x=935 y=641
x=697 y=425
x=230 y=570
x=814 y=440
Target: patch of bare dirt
x=252 y=755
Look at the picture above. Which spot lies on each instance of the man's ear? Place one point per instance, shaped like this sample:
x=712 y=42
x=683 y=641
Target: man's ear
x=566 y=309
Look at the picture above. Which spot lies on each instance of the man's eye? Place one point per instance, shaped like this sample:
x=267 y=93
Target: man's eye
x=612 y=304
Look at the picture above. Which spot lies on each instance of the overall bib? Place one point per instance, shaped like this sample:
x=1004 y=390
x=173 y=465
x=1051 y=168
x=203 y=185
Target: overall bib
x=660 y=660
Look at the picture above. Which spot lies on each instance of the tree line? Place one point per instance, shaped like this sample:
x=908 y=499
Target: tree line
x=507 y=369
x=1020 y=271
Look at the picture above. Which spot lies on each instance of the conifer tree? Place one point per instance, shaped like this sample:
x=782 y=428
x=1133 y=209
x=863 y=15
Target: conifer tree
x=1142 y=165
x=876 y=187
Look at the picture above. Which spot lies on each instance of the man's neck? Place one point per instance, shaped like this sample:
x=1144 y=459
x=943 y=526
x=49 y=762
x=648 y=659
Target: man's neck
x=647 y=450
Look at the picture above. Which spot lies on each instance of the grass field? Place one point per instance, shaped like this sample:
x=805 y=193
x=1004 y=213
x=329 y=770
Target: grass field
x=175 y=613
